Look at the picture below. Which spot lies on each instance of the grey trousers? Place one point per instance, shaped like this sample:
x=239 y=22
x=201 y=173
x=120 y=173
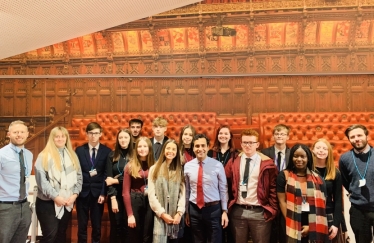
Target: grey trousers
x=15 y=220
x=243 y=221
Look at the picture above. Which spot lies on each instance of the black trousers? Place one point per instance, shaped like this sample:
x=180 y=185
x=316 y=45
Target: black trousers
x=53 y=229
x=88 y=207
x=206 y=223
x=143 y=232
x=362 y=223
x=118 y=222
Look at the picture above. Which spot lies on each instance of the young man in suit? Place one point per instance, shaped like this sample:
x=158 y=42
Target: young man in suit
x=90 y=203
x=159 y=126
x=280 y=153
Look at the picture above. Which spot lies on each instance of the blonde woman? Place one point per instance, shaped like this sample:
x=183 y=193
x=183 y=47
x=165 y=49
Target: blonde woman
x=324 y=164
x=167 y=194
x=59 y=179
x=135 y=193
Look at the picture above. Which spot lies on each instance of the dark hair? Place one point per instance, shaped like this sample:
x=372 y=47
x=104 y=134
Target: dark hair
x=198 y=136
x=136 y=120
x=355 y=126
x=117 y=147
x=309 y=165
x=217 y=144
x=181 y=145
x=93 y=125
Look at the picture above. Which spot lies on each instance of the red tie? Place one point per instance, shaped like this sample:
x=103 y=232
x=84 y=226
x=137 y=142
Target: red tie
x=200 y=193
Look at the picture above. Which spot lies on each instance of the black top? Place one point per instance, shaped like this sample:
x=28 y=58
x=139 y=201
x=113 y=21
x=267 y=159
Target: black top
x=334 y=195
x=223 y=158
x=115 y=169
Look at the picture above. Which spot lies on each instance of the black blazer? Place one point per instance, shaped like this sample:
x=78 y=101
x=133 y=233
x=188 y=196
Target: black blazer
x=96 y=184
x=157 y=153
x=270 y=152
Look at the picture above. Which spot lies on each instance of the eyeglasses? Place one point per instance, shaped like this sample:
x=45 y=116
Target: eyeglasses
x=250 y=143
x=94 y=133
x=280 y=134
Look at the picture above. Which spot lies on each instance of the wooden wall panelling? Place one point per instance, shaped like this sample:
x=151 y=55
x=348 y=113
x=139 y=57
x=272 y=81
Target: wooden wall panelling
x=166 y=94
x=7 y=97
x=358 y=87
x=135 y=97
x=21 y=103
x=121 y=98
x=212 y=99
x=288 y=96
x=38 y=97
x=105 y=98
x=338 y=89
x=77 y=97
x=180 y=94
x=151 y=95
x=257 y=94
x=322 y=93
x=91 y=97
x=195 y=96
x=273 y=94
x=307 y=95
x=225 y=95
x=240 y=96
x=370 y=94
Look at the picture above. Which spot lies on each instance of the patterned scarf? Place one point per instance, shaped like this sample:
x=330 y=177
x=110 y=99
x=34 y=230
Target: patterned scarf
x=62 y=181
x=318 y=230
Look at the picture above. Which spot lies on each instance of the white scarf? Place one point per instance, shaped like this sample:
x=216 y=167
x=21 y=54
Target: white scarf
x=63 y=181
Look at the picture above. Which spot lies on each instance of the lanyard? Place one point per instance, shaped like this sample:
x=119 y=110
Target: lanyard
x=224 y=158
x=367 y=163
x=119 y=171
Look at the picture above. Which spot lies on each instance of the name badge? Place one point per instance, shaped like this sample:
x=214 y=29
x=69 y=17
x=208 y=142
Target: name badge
x=93 y=172
x=305 y=207
x=243 y=188
x=362 y=182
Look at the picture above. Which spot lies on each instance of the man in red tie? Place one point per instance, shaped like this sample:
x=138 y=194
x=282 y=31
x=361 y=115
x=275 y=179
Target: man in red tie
x=206 y=194
x=253 y=203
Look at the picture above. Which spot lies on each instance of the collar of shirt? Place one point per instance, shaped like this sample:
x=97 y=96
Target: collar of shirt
x=15 y=148
x=96 y=147
x=283 y=151
x=367 y=149
x=155 y=141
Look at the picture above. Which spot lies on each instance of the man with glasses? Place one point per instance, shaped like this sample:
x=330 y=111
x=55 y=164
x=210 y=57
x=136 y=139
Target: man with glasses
x=90 y=203
x=280 y=153
x=251 y=180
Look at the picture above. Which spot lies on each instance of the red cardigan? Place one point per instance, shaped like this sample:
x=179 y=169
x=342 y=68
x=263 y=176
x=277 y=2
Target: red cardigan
x=266 y=188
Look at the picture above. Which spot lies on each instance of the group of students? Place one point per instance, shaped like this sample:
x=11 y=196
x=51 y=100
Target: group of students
x=160 y=190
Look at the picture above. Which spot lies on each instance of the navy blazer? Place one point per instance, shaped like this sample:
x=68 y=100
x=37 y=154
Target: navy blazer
x=270 y=152
x=157 y=153
x=96 y=184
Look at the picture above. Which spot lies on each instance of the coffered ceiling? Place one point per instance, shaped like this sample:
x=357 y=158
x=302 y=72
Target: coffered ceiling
x=29 y=25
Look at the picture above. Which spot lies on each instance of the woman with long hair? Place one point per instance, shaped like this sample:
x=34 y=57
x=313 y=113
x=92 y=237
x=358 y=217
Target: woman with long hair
x=167 y=194
x=59 y=178
x=135 y=193
x=223 y=149
x=116 y=163
x=301 y=194
x=185 y=141
x=324 y=164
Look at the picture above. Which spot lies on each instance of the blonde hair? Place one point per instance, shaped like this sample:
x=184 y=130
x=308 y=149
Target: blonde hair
x=159 y=121
x=17 y=122
x=330 y=165
x=135 y=164
x=51 y=150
